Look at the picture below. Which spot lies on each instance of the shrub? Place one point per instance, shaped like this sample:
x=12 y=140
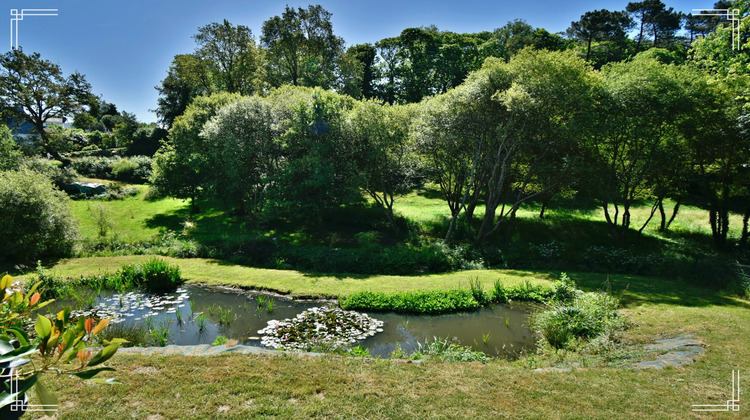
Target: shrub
x=587 y=316
x=52 y=169
x=134 y=169
x=36 y=220
x=158 y=276
x=564 y=290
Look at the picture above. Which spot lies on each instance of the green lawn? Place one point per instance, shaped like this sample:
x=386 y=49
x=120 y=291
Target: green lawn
x=132 y=218
x=295 y=283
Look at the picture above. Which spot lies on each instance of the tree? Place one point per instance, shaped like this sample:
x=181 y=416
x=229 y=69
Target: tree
x=387 y=159
x=601 y=25
x=36 y=219
x=302 y=48
x=187 y=78
x=242 y=146
x=364 y=54
x=642 y=106
x=549 y=109
x=10 y=156
x=320 y=170
x=654 y=19
x=182 y=167
x=233 y=62
x=37 y=88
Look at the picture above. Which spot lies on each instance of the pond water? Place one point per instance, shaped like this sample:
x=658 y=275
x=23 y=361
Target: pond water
x=497 y=331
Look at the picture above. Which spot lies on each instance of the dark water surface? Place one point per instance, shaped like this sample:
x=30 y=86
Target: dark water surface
x=497 y=331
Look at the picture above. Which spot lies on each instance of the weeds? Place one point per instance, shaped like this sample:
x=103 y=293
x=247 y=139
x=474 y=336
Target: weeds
x=448 y=350
x=200 y=320
x=160 y=335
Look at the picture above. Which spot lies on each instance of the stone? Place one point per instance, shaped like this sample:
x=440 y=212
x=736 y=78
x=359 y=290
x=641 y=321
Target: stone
x=88 y=188
x=680 y=351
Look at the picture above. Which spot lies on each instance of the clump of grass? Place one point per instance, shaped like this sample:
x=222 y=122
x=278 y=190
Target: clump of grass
x=200 y=320
x=160 y=334
x=485 y=338
x=448 y=350
x=220 y=340
x=269 y=305
x=225 y=315
x=475 y=286
x=578 y=318
x=135 y=334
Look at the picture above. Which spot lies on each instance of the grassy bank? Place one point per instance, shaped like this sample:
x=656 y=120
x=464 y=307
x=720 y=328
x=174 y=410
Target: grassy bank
x=296 y=283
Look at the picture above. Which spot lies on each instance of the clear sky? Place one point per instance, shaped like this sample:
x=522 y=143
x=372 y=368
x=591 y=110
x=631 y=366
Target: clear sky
x=125 y=47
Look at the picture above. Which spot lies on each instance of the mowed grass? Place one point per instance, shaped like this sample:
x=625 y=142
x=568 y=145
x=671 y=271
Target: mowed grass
x=132 y=218
x=240 y=386
x=298 y=284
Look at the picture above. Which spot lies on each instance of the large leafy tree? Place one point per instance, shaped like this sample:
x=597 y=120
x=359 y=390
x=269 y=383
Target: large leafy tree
x=387 y=158
x=226 y=59
x=186 y=78
x=243 y=149
x=601 y=25
x=320 y=168
x=182 y=168
x=362 y=57
x=492 y=137
x=231 y=57
x=302 y=47
x=656 y=20
x=638 y=133
x=38 y=91
x=720 y=138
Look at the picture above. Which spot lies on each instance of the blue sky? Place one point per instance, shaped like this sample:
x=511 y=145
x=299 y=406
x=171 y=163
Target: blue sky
x=125 y=47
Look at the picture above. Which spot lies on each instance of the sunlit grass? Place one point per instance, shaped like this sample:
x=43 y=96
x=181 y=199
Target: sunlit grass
x=130 y=216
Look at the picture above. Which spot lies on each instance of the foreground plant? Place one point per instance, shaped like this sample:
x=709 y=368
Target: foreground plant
x=58 y=345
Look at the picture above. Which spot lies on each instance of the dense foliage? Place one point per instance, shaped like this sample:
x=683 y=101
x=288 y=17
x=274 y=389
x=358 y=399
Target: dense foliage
x=36 y=221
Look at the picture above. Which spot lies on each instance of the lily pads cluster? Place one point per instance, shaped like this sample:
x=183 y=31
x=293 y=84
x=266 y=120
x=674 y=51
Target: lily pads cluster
x=135 y=306
x=328 y=327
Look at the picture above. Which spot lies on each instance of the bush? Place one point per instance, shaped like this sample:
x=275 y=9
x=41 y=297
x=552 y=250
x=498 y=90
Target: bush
x=564 y=290
x=158 y=276
x=587 y=316
x=52 y=169
x=36 y=220
x=134 y=169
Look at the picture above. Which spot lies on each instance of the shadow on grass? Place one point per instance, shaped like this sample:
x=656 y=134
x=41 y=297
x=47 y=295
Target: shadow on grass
x=639 y=290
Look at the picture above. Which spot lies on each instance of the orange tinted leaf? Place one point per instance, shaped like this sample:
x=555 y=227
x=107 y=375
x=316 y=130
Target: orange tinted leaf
x=35 y=298
x=103 y=323
x=89 y=325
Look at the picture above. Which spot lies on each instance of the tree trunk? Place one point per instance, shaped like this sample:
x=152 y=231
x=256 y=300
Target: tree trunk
x=544 y=206
x=745 y=233
x=662 y=225
x=674 y=213
x=657 y=204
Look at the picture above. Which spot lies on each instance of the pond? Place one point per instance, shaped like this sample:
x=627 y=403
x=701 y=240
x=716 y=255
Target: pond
x=197 y=315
